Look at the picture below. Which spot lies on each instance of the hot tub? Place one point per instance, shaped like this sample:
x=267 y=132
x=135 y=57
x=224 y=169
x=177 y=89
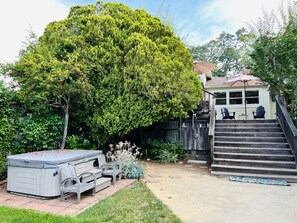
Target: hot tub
x=37 y=174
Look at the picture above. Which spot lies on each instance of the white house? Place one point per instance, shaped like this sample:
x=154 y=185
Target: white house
x=233 y=95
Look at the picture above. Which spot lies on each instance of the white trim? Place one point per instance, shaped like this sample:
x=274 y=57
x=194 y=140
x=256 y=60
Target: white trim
x=243 y=96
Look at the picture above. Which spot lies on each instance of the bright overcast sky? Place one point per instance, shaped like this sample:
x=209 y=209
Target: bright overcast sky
x=198 y=20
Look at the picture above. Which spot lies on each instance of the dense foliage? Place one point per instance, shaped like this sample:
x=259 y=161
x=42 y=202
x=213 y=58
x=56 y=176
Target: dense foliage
x=165 y=152
x=79 y=142
x=109 y=69
x=275 y=53
x=38 y=133
x=7 y=124
x=229 y=52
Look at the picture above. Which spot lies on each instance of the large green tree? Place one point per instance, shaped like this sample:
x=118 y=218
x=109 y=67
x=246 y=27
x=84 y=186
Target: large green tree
x=112 y=68
x=229 y=52
x=275 y=53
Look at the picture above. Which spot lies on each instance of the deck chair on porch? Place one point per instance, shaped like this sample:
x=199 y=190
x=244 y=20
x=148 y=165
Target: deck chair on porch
x=260 y=112
x=71 y=182
x=226 y=114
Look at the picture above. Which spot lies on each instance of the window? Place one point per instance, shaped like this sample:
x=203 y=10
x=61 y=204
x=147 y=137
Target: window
x=235 y=98
x=220 y=98
x=252 y=97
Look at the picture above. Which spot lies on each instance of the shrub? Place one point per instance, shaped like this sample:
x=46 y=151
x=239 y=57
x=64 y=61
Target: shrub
x=79 y=142
x=167 y=156
x=39 y=133
x=128 y=155
x=2 y=166
x=7 y=125
x=166 y=152
x=7 y=136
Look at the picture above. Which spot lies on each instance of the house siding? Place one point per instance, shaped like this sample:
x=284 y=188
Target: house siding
x=265 y=100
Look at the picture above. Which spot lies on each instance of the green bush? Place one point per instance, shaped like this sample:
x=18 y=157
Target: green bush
x=127 y=155
x=167 y=156
x=7 y=125
x=79 y=142
x=39 y=133
x=166 y=152
x=7 y=137
x=2 y=166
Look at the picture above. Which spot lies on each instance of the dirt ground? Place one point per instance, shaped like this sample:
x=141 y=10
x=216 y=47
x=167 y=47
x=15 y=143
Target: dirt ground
x=195 y=196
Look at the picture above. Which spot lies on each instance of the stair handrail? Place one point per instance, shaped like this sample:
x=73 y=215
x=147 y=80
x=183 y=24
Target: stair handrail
x=287 y=125
x=211 y=130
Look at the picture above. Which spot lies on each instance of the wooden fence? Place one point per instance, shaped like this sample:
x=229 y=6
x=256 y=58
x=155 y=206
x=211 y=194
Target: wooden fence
x=191 y=132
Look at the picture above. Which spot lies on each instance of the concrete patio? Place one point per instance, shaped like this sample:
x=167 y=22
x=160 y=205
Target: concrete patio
x=196 y=197
x=192 y=194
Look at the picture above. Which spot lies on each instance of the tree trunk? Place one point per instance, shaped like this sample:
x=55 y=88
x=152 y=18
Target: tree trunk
x=66 y=121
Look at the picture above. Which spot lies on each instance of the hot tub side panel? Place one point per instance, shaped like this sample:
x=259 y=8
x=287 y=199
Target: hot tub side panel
x=33 y=181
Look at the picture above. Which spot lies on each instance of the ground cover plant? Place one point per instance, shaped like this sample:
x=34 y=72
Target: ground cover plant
x=127 y=154
x=133 y=204
x=165 y=152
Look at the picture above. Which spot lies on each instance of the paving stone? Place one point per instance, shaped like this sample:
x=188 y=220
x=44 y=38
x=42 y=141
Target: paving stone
x=154 y=175
x=153 y=180
x=55 y=206
x=175 y=177
x=57 y=202
x=193 y=169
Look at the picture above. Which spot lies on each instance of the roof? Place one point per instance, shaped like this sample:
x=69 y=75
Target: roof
x=221 y=82
x=201 y=67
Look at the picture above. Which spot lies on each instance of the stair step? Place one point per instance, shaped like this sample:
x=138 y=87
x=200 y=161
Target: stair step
x=248 y=129
x=253 y=145
x=249 y=156
x=250 y=125
x=254 y=163
x=250 y=134
x=248 y=121
x=288 y=178
x=253 y=150
x=257 y=170
x=250 y=139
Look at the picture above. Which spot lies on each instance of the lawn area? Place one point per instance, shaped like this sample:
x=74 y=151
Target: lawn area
x=135 y=203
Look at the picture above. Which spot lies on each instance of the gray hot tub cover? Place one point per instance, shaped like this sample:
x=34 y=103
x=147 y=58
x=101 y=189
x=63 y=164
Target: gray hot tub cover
x=49 y=159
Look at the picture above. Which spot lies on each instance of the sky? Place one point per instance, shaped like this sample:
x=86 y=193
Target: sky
x=197 y=21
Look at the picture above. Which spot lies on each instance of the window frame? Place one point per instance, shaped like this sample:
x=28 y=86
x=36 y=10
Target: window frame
x=242 y=98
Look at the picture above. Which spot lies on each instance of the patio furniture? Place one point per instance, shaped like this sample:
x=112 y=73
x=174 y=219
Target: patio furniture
x=260 y=112
x=71 y=182
x=110 y=169
x=226 y=114
x=39 y=170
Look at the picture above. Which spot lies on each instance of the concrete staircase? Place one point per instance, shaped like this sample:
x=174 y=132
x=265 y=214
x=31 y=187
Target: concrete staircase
x=252 y=148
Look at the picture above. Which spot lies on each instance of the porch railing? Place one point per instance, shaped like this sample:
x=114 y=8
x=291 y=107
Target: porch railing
x=287 y=125
x=211 y=132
